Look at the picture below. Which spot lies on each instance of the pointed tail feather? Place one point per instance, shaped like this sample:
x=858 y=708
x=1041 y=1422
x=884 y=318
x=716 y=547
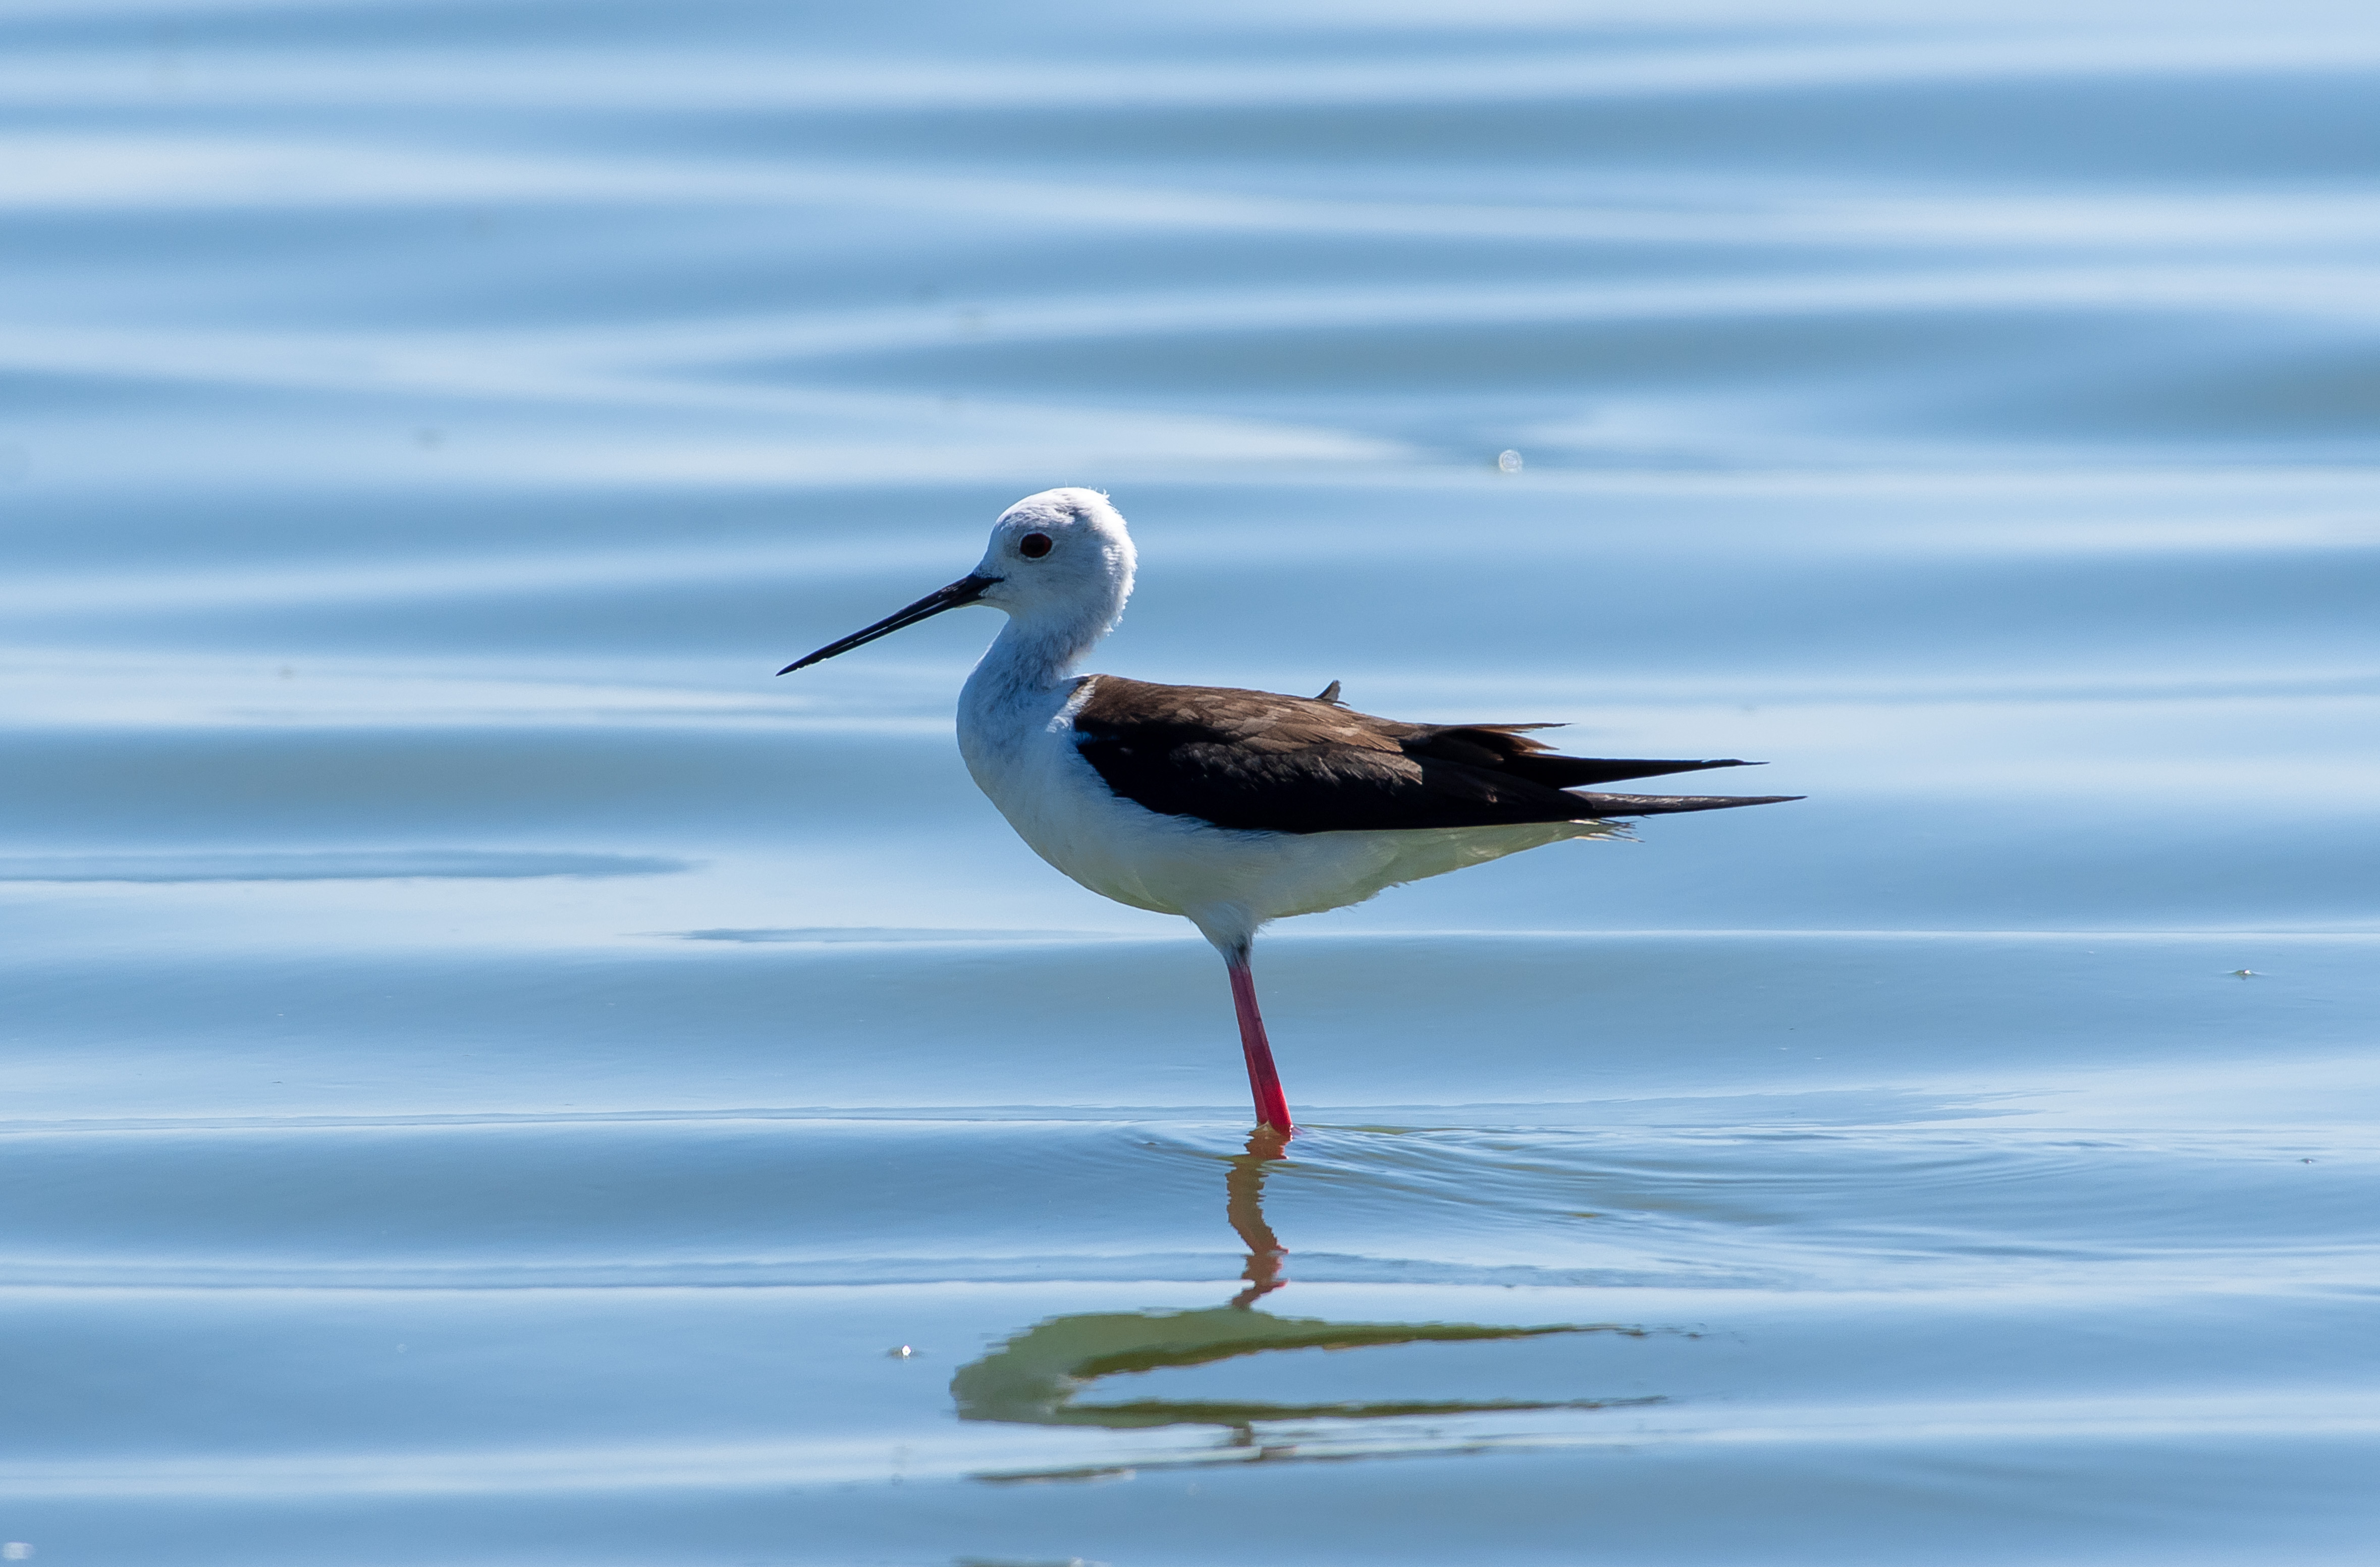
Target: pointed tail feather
x=1598 y=807
x=1569 y=772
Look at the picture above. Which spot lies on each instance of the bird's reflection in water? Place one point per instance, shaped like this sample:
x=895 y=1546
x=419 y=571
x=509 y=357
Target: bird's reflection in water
x=1035 y=1377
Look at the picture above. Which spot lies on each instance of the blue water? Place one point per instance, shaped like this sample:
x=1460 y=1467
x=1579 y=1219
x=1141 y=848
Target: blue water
x=491 y=1076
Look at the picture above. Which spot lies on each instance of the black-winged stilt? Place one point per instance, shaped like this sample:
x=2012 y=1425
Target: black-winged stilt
x=1230 y=808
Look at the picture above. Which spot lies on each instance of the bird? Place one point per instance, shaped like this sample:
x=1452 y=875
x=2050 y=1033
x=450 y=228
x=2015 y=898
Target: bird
x=1231 y=807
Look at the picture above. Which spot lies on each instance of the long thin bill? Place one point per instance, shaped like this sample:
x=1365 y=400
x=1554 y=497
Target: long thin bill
x=965 y=590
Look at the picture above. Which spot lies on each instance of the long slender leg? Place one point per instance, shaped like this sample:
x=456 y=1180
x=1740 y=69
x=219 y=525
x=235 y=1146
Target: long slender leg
x=1263 y=1082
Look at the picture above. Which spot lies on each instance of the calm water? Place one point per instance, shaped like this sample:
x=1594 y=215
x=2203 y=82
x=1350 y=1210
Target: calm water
x=493 y=1077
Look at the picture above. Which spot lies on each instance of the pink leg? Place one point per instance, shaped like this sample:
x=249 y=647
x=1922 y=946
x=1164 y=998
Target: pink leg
x=1272 y=1108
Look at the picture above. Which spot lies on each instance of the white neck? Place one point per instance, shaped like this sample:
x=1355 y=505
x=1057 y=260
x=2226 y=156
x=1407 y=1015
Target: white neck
x=1035 y=654
x=1019 y=685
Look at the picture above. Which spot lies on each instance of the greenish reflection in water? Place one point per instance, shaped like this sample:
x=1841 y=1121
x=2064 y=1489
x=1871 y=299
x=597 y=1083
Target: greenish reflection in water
x=1034 y=1378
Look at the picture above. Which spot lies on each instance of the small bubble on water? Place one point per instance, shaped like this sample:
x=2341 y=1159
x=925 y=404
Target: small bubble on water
x=1508 y=461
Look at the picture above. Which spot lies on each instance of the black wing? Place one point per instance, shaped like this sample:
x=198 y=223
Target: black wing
x=1253 y=761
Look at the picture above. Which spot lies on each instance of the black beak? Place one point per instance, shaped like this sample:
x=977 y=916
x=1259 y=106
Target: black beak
x=965 y=590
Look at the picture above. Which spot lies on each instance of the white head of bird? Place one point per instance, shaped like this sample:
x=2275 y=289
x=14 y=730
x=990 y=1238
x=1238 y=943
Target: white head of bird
x=1061 y=563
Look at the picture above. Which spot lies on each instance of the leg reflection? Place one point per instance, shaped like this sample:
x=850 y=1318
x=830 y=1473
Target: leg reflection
x=1244 y=1206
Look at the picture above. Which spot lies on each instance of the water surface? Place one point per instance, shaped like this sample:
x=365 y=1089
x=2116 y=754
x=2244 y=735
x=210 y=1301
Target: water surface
x=492 y=1076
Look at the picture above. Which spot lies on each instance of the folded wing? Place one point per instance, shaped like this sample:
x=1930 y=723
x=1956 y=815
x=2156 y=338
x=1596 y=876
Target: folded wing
x=1263 y=762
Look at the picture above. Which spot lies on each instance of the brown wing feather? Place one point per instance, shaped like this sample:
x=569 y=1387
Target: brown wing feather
x=1256 y=760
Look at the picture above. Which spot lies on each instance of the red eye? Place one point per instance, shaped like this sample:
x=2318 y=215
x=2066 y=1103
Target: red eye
x=1033 y=546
